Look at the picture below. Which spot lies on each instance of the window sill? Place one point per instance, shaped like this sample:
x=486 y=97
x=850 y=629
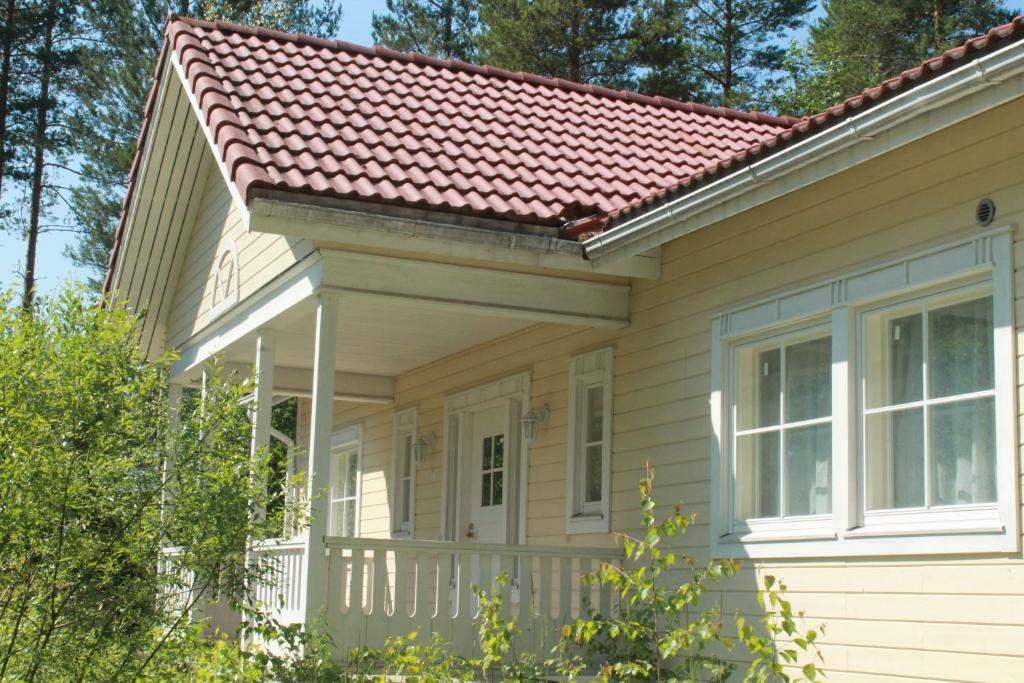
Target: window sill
x=592 y=523
x=401 y=535
x=878 y=537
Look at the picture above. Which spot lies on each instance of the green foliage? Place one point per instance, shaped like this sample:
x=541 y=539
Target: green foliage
x=443 y=28
x=85 y=442
x=406 y=657
x=664 y=630
x=860 y=43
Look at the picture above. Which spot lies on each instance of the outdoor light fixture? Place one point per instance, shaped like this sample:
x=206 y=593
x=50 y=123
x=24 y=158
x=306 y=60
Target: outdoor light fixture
x=532 y=420
x=422 y=447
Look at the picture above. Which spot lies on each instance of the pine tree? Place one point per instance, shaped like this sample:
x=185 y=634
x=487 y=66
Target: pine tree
x=42 y=66
x=736 y=45
x=443 y=28
x=860 y=43
x=588 y=41
x=117 y=72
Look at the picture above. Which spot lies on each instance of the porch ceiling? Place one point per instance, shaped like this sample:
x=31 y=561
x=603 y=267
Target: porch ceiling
x=377 y=338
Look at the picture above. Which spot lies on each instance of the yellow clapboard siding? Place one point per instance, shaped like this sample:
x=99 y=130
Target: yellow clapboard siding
x=926 y=618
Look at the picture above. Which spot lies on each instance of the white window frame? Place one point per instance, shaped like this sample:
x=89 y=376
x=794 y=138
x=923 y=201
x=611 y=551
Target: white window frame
x=344 y=441
x=586 y=371
x=404 y=425
x=983 y=261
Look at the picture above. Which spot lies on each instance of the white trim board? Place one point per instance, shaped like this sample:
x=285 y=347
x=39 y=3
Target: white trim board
x=485 y=291
x=422 y=235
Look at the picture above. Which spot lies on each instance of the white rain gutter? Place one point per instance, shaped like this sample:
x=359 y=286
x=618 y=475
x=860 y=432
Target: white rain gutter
x=948 y=99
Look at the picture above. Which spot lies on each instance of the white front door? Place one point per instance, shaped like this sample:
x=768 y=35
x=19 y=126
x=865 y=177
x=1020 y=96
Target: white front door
x=488 y=476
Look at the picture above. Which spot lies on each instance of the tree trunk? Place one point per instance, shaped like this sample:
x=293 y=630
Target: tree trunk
x=38 y=157
x=937 y=14
x=575 y=58
x=446 y=36
x=727 y=47
x=5 y=80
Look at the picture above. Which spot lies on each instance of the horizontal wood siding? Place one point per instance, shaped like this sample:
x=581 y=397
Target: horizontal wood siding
x=260 y=258
x=915 y=619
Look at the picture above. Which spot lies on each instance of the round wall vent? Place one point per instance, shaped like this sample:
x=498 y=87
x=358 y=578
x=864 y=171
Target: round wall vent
x=985 y=213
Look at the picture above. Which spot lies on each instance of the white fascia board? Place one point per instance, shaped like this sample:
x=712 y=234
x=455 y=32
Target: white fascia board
x=236 y=197
x=287 y=290
x=468 y=289
x=417 y=235
x=982 y=84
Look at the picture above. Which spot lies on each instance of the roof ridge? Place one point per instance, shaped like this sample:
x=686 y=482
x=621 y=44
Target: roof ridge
x=493 y=71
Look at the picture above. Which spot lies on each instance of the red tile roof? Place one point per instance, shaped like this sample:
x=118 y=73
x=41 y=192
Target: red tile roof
x=995 y=39
x=320 y=117
x=323 y=117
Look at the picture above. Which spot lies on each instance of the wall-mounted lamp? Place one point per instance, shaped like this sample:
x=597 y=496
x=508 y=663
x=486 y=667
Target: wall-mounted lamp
x=532 y=421
x=422 y=446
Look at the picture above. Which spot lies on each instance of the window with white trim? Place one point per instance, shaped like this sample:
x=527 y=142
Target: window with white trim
x=590 y=403
x=404 y=496
x=873 y=414
x=346 y=472
x=783 y=435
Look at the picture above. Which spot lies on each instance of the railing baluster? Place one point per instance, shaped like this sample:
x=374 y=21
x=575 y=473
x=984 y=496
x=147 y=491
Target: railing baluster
x=422 y=605
x=442 y=608
x=462 y=625
x=564 y=590
x=544 y=595
x=377 y=614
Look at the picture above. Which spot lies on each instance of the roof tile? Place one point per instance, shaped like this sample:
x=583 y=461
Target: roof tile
x=308 y=115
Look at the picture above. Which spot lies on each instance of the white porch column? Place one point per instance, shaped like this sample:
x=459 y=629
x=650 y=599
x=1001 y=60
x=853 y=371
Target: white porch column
x=318 y=469
x=263 y=400
x=173 y=425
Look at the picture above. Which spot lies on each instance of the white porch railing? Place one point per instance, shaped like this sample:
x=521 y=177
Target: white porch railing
x=280 y=589
x=378 y=589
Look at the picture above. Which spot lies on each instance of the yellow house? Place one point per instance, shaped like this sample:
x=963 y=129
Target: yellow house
x=499 y=295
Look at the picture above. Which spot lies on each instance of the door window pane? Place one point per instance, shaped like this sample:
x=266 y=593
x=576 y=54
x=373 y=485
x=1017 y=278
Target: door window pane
x=809 y=470
x=485 y=489
x=960 y=348
x=963 y=463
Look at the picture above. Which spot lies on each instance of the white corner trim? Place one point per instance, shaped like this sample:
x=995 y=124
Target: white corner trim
x=236 y=197
x=975 y=87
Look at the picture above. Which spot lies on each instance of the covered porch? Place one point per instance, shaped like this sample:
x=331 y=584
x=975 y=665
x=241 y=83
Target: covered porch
x=340 y=329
